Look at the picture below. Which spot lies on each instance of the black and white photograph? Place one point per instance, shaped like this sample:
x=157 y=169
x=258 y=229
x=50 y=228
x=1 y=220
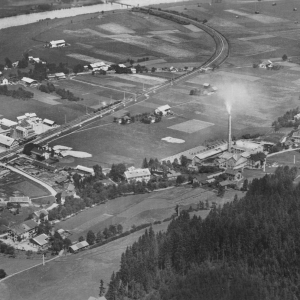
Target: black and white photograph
x=149 y=150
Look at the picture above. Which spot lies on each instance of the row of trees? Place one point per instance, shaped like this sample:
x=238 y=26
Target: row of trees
x=20 y=93
x=102 y=235
x=246 y=250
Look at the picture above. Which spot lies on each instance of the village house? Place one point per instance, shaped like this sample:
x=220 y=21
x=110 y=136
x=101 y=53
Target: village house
x=163 y=110
x=267 y=64
x=20 y=200
x=41 y=241
x=23 y=231
x=40 y=215
x=39 y=153
x=296 y=136
x=85 y=170
x=7 y=142
x=28 y=81
x=233 y=175
x=78 y=247
x=172 y=175
x=57 y=44
x=60 y=75
x=4 y=81
x=137 y=175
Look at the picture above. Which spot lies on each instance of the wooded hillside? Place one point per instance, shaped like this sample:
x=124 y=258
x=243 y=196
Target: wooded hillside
x=249 y=249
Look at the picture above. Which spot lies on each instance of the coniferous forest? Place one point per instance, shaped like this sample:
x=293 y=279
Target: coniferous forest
x=249 y=249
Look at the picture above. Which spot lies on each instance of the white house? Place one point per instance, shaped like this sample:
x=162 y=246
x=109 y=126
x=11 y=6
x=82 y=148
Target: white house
x=60 y=75
x=137 y=175
x=58 y=43
x=164 y=110
x=4 y=81
x=98 y=66
x=79 y=246
x=266 y=64
x=7 y=142
x=29 y=81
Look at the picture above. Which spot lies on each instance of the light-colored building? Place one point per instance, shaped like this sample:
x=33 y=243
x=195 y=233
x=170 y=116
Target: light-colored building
x=60 y=75
x=97 y=66
x=21 y=132
x=41 y=241
x=164 y=110
x=29 y=81
x=79 y=246
x=4 y=81
x=7 y=142
x=7 y=124
x=48 y=122
x=40 y=214
x=138 y=175
x=58 y=43
x=20 y=200
x=85 y=170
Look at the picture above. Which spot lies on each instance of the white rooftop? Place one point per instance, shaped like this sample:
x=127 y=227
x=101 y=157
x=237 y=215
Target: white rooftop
x=49 y=122
x=164 y=107
x=137 y=173
x=85 y=169
x=57 y=42
x=28 y=80
x=8 y=123
x=5 y=140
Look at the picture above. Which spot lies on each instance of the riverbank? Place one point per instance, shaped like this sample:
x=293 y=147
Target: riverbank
x=18 y=8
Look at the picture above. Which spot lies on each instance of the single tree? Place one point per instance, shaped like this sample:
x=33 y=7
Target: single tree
x=2 y=273
x=101 y=288
x=284 y=57
x=90 y=237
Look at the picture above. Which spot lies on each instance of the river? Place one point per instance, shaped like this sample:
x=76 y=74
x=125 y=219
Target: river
x=75 y=11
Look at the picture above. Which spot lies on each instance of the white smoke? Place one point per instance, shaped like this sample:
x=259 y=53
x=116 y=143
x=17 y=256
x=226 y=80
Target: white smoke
x=235 y=95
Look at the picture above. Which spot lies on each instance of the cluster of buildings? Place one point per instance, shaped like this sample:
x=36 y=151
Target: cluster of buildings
x=26 y=126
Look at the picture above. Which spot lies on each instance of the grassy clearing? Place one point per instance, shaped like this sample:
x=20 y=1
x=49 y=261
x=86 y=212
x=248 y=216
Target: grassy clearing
x=31 y=189
x=63 y=278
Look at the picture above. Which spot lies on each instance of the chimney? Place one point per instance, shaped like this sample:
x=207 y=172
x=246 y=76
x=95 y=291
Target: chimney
x=229 y=133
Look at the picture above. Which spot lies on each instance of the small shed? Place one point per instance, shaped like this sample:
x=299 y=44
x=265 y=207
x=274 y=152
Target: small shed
x=78 y=247
x=29 y=81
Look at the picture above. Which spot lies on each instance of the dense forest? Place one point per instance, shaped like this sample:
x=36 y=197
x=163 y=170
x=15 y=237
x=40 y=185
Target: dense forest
x=248 y=249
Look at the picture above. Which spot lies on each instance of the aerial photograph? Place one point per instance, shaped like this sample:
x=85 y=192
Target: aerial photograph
x=149 y=150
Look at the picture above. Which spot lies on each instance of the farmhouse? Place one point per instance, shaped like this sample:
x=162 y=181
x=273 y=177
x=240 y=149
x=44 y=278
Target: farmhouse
x=164 y=110
x=137 y=175
x=4 y=81
x=19 y=200
x=60 y=75
x=98 y=66
x=266 y=64
x=7 y=142
x=79 y=246
x=28 y=81
x=85 y=170
x=172 y=175
x=23 y=231
x=40 y=214
x=41 y=241
x=58 y=43
x=296 y=136
x=233 y=175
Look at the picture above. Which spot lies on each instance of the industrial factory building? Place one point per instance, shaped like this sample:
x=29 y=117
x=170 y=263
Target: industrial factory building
x=230 y=155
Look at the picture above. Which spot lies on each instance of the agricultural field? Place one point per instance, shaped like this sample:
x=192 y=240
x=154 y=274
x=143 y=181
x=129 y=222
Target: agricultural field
x=134 y=210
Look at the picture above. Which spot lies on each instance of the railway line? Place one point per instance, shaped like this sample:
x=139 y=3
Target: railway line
x=219 y=56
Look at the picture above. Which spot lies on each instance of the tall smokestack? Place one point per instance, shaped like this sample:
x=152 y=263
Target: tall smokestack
x=229 y=133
